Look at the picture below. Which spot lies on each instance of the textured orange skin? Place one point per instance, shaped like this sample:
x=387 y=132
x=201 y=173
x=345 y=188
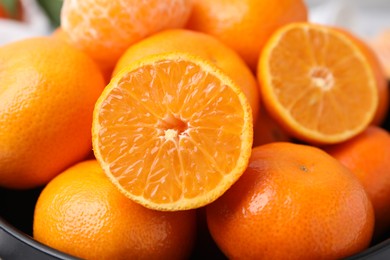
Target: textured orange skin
x=245 y=25
x=367 y=156
x=293 y=202
x=201 y=44
x=105 y=28
x=80 y=212
x=380 y=77
x=47 y=95
x=106 y=71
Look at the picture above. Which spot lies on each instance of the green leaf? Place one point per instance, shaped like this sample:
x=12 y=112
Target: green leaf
x=52 y=9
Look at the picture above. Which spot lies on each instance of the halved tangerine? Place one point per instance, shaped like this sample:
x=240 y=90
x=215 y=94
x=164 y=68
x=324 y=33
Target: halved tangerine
x=317 y=83
x=172 y=131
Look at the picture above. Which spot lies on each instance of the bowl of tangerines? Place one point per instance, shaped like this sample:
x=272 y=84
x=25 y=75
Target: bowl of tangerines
x=184 y=129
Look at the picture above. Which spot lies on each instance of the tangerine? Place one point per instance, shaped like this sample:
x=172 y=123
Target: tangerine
x=105 y=29
x=80 y=212
x=317 y=83
x=367 y=156
x=293 y=202
x=45 y=109
x=172 y=131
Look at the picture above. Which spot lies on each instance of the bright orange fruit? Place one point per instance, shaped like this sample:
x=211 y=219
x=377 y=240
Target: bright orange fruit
x=293 y=202
x=105 y=29
x=45 y=109
x=172 y=131
x=60 y=34
x=317 y=83
x=245 y=25
x=380 y=77
x=196 y=43
x=80 y=212
x=367 y=156
x=106 y=70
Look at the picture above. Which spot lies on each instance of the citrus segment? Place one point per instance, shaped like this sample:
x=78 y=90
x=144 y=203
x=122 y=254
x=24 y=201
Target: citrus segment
x=317 y=83
x=203 y=45
x=172 y=132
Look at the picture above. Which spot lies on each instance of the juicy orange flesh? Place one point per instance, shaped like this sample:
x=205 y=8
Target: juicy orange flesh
x=313 y=79
x=170 y=131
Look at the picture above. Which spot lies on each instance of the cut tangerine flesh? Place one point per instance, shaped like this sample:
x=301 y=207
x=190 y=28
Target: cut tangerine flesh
x=172 y=132
x=317 y=83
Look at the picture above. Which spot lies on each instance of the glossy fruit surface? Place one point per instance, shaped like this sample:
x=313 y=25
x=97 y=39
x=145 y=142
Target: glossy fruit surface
x=45 y=109
x=82 y=213
x=293 y=202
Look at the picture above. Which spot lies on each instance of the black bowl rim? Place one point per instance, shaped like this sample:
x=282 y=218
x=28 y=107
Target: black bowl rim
x=375 y=252
x=27 y=241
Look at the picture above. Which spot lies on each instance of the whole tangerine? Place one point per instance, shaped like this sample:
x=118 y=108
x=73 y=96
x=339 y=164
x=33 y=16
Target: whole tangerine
x=48 y=94
x=80 y=212
x=367 y=156
x=293 y=202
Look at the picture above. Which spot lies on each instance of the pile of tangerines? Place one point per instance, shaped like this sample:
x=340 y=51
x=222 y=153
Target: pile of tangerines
x=144 y=120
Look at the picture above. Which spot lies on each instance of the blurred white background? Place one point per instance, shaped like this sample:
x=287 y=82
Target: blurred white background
x=35 y=23
x=366 y=18
x=363 y=17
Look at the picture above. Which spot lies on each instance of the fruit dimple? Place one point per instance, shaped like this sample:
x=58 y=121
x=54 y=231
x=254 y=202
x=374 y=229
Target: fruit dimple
x=172 y=112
